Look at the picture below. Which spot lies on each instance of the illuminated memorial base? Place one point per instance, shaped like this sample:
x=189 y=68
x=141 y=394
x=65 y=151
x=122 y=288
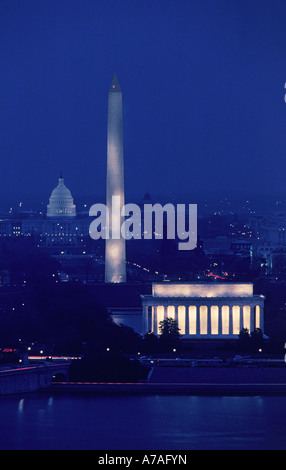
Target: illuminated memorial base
x=204 y=311
x=115 y=262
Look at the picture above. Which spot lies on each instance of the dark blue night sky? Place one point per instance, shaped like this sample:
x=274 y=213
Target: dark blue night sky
x=203 y=90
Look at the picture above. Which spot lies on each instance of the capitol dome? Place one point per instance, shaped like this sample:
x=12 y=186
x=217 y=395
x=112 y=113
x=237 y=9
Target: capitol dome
x=61 y=202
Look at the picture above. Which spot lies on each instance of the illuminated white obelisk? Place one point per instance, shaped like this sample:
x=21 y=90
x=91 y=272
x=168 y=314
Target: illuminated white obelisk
x=115 y=253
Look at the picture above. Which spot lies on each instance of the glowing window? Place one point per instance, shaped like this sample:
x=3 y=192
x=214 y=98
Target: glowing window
x=160 y=316
x=203 y=320
x=192 y=320
x=236 y=320
x=225 y=319
x=246 y=317
x=214 y=320
x=171 y=312
x=182 y=319
x=257 y=316
x=154 y=329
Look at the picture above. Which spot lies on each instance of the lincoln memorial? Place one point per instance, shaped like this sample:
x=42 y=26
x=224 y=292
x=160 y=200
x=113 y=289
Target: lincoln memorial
x=204 y=310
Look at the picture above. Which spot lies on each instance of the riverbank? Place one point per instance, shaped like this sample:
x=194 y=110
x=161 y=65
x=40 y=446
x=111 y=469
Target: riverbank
x=244 y=389
x=192 y=381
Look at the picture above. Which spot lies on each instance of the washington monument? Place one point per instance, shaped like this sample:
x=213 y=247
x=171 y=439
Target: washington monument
x=115 y=253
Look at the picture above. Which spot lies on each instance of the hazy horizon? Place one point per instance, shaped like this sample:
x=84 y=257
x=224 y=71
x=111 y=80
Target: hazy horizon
x=203 y=97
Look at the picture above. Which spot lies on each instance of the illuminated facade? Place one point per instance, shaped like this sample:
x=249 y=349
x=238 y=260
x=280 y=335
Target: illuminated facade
x=59 y=227
x=204 y=311
x=61 y=202
x=115 y=252
x=47 y=232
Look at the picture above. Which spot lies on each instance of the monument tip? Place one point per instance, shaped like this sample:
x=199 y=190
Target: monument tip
x=115 y=87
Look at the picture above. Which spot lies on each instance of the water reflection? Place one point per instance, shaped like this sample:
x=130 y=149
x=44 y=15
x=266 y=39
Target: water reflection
x=142 y=422
x=21 y=406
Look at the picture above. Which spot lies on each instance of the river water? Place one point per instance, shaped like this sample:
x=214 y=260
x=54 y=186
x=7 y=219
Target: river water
x=86 y=422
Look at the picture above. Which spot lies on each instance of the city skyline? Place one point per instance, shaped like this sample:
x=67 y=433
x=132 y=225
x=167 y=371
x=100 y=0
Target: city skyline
x=142 y=226
x=203 y=85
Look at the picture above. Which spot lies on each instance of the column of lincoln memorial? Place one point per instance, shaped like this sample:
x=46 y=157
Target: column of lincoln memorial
x=204 y=310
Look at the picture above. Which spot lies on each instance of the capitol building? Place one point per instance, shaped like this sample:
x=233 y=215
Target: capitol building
x=61 y=202
x=60 y=226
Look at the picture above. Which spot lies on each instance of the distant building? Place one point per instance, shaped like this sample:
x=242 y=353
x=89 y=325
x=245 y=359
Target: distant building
x=269 y=229
x=269 y=239
x=59 y=227
x=61 y=202
x=204 y=310
x=227 y=247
